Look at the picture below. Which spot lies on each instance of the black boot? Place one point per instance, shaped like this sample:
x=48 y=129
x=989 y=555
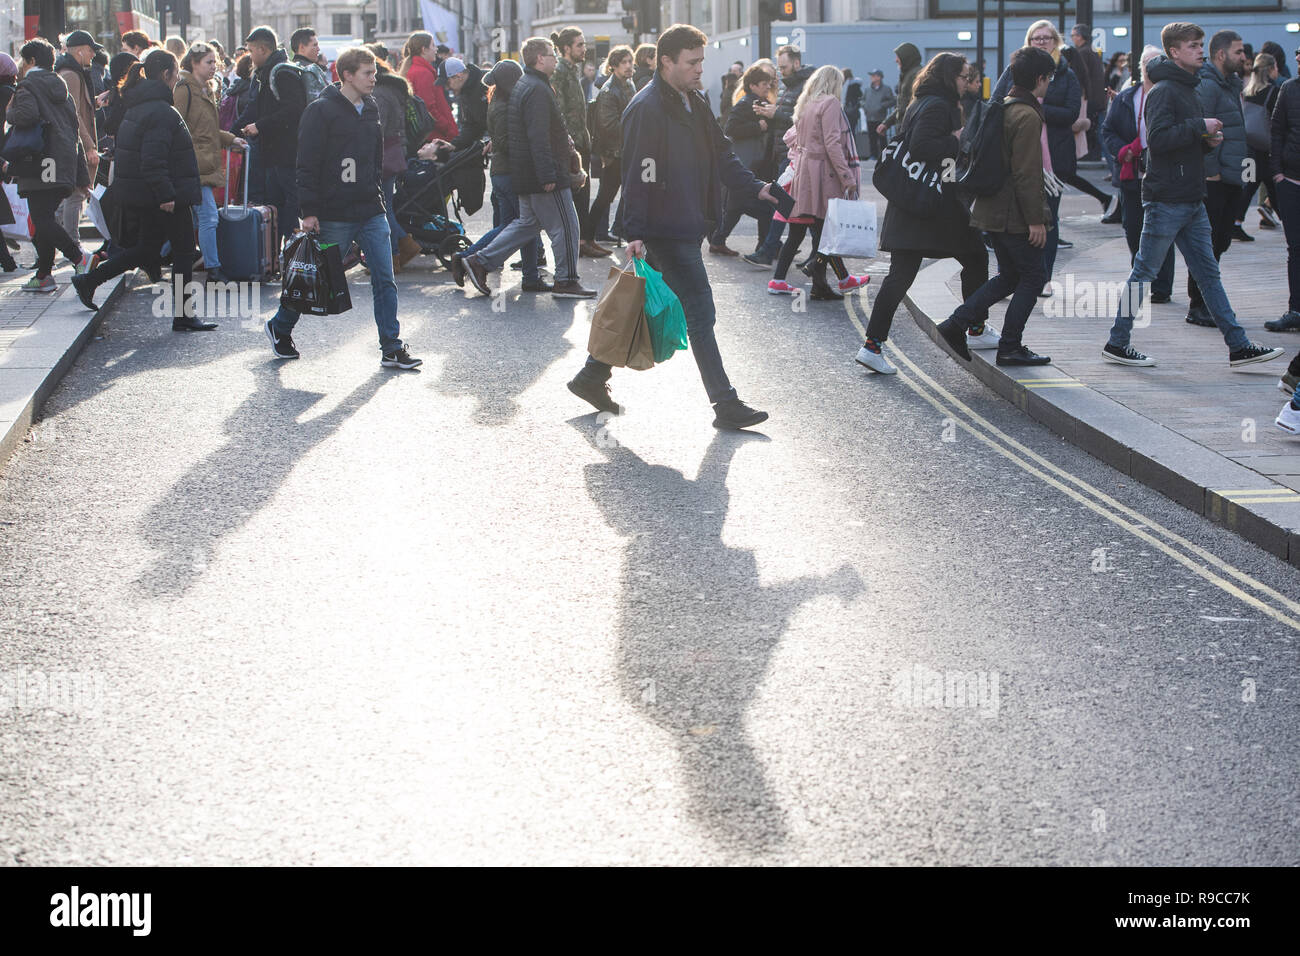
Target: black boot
x=85 y=287
x=187 y=323
x=821 y=290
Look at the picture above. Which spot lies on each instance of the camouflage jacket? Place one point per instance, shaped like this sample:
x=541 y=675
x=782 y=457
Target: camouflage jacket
x=567 y=84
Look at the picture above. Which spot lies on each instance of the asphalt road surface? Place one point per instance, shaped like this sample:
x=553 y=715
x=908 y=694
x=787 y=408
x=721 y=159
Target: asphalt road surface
x=325 y=612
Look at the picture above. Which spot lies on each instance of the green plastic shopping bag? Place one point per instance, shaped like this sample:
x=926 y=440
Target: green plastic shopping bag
x=663 y=313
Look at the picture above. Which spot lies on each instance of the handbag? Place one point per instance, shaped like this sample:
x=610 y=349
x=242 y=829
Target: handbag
x=850 y=229
x=917 y=186
x=24 y=147
x=1258 y=134
x=620 y=335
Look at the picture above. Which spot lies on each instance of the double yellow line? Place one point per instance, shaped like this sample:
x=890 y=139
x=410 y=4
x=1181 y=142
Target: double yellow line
x=1192 y=556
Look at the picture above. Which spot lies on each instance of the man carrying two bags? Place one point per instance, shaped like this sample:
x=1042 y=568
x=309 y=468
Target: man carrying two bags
x=675 y=163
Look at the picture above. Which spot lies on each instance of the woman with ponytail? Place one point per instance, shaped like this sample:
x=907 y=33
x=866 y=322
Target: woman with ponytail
x=156 y=176
x=419 y=66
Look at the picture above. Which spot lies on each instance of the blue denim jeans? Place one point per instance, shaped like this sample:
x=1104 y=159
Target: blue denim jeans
x=372 y=233
x=206 y=214
x=683 y=270
x=1186 y=225
x=505 y=210
x=1133 y=217
x=395 y=231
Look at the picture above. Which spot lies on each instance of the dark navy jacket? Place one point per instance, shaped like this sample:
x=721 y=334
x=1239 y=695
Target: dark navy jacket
x=666 y=172
x=340 y=159
x=1120 y=128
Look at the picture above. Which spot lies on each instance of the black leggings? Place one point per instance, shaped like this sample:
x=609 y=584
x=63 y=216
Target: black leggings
x=903 y=267
x=1081 y=184
x=50 y=234
x=155 y=228
x=792 y=241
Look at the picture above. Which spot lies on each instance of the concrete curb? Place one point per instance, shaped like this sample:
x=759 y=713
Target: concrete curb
x=1229 y=494
x=33 y=366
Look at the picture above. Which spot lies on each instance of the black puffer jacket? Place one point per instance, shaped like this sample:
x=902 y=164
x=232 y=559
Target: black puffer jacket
x=42 y=96
x=610 y=104
x=1284 y=158
x=472 y=100
x=539 y=141
x=154 y=161
x=783 y=119
x=752 y=143
x=1176 y=143
x=340 y=159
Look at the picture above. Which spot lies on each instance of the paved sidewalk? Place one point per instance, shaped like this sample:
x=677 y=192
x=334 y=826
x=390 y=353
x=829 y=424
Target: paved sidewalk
x=41 y=335
x=1192 y=427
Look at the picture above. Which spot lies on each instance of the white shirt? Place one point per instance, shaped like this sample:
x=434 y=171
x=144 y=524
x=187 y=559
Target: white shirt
x=1141 y=116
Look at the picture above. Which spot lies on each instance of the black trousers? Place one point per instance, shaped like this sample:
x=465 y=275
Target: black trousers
x=156 y=227
x=611 y=177
x=903 y=267
x=50 y=234
x=1221 y=207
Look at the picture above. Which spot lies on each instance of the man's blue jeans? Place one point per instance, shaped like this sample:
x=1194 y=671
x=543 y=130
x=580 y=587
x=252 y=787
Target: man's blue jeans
x=1186 y=225
x=505 y=210
x=683 y=270
x=372 y=233
x=395 y=232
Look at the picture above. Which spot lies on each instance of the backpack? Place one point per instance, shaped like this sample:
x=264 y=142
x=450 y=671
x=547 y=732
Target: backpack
x=980 y=168
x=312 y=81
x=419 y=124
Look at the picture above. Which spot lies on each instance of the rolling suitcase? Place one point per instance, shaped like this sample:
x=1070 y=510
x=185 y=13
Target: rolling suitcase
x=246 y=236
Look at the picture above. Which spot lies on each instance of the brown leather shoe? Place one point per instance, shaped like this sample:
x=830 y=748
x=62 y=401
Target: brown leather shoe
x=572 y=289
x=407 y=249
x=591 y=250
x=722 y=250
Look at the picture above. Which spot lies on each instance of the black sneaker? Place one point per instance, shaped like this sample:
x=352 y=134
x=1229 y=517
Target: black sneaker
x=954 y=333
x=1252 y=354
x=735 y=414
x=1126 y=355
x=758 y=259
x=85 y=291
x=1064 y=244
x=399 y=359
x=1200 y=315
x=594 y=393
x=1287 y=323
x=536 y=285
x=1160 y=298
x=1021 y=356
x=1241 y=235
x=458 y=270
x=282 y=347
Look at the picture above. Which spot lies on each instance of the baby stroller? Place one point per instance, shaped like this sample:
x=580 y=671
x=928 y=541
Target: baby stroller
x=420 y=203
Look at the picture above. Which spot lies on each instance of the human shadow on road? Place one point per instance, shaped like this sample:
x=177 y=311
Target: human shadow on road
x=697 y=628
x=221 y=493
x=495 y=356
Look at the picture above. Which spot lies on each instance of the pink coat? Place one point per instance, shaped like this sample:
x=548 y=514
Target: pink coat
x=825 y=157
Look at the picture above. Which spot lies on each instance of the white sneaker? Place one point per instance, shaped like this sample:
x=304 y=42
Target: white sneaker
x=1288 y=419
x=84 y=266
x=988 y=339
x=877 y=362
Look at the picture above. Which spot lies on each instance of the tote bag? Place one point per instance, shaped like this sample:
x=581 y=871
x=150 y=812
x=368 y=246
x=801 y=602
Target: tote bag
x=850 y=229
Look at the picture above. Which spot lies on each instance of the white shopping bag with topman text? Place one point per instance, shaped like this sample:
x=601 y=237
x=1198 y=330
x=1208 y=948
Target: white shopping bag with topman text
x=850 y=229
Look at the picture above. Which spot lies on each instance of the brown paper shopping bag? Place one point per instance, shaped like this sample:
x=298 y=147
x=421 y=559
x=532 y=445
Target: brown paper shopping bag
x=619 y=333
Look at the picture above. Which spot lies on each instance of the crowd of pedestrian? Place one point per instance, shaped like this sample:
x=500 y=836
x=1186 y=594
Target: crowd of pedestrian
x=1181 y=134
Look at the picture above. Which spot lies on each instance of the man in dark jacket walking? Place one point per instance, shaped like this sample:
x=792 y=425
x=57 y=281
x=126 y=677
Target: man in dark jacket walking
x=675 y=163
x=540 y=157
x=339 y=184
x=1092 y=78
x=1178 y=137
x=1219 y=90
x=274 y=120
